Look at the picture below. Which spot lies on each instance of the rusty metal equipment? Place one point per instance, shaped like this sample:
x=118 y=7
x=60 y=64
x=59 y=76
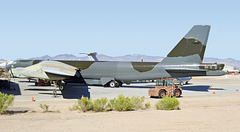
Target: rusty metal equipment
x=165 y=87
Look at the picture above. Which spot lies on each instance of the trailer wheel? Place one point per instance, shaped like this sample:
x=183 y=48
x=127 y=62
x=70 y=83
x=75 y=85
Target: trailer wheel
x=161 y=93
x=177 y=93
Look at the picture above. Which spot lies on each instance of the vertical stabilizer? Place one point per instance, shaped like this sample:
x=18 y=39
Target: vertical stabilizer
x=191 y=48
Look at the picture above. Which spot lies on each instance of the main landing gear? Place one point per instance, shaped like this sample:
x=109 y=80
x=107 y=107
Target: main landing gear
x=59 y=85
x=114 y=84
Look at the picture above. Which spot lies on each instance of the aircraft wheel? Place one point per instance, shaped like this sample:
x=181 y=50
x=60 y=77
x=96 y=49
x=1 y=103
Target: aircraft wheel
x=162 y=93
x=186 y=82
x=61 y=88
x=117 y=84
x=120 y=84
x=177 y=93
x=112 y=84
x=181 y=83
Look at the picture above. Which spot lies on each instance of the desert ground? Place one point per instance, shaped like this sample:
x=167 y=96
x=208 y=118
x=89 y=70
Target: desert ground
x=201 y=110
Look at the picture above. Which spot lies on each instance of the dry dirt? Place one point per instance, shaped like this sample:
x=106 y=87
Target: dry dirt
x=198 y=113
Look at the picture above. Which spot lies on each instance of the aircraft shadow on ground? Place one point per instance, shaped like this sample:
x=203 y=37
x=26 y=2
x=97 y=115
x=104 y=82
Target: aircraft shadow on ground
x=40 y=86
x=140 y=82
x=69 y=91
x=202 y=88
x=50 y=94
x=143 y=87
x=14 y=89
x=37 y=89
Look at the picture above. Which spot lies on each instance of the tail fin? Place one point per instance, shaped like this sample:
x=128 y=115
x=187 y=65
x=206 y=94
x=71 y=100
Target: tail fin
x=191 y=48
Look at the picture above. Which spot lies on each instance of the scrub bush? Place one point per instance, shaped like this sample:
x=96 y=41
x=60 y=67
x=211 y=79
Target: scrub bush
x=84 y=105
x=167 y=103
x=148 y=105
x=44 y=107
x=123 y=103
x=5 y=102
x=111 y=103
x=137 y=102
x=99 y=105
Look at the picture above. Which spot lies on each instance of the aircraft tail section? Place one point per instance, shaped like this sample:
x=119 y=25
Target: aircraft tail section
x=191 y=48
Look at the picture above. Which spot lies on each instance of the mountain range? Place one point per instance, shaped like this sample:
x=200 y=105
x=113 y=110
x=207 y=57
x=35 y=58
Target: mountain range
x=135 y=57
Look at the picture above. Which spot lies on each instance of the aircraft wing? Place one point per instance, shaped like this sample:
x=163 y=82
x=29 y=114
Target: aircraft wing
x=50 y=70
x=58 y=71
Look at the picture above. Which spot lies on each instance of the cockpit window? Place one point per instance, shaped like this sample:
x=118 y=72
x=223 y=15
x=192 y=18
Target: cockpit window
x=170 y=82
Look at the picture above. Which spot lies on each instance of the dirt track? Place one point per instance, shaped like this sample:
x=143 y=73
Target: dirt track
x=198 y=113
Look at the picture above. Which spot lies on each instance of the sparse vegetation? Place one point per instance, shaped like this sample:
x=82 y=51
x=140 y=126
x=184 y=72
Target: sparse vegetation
x=99 y=105
x=167 y=103
x=84 y=105
x=5 y=102
x=44 y=107
x=148 y=105
x=137 y=102
x=111 y=103
x=123 y=103
x=33 y=111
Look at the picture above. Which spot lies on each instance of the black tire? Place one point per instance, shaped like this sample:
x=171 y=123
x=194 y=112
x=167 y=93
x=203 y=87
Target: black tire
x=181 y=83
x=61 y=88
x=112 y=84
x=161 y=93
x=177 y=93
x=119 y=84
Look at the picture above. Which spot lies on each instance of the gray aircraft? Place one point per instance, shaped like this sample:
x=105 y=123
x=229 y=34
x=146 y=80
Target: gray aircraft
x=183 y=61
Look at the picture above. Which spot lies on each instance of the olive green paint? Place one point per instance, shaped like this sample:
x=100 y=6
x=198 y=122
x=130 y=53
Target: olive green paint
x=188 y=47
x=82 y=65
x=25 y=60
x=36 y=61
x=144 y=66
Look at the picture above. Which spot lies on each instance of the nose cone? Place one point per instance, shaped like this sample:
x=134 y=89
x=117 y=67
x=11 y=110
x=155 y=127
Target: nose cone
x=216 y=73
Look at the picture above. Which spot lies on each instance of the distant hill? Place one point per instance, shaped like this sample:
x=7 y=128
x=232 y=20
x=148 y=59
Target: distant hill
x=135 y=57
x=2 y=60
x=102 y=57
x=58 y=57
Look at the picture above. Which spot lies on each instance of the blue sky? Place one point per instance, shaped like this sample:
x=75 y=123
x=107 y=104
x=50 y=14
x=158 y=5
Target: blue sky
x=30 y=28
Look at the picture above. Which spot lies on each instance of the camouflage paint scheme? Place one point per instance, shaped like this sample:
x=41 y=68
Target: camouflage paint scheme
x=183 y=61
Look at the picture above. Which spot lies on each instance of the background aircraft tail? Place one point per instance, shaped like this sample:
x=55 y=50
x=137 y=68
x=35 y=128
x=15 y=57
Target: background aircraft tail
x=191 y=48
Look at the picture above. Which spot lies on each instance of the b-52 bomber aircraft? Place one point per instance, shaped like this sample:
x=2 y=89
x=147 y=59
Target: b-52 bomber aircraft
x=184 y=60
